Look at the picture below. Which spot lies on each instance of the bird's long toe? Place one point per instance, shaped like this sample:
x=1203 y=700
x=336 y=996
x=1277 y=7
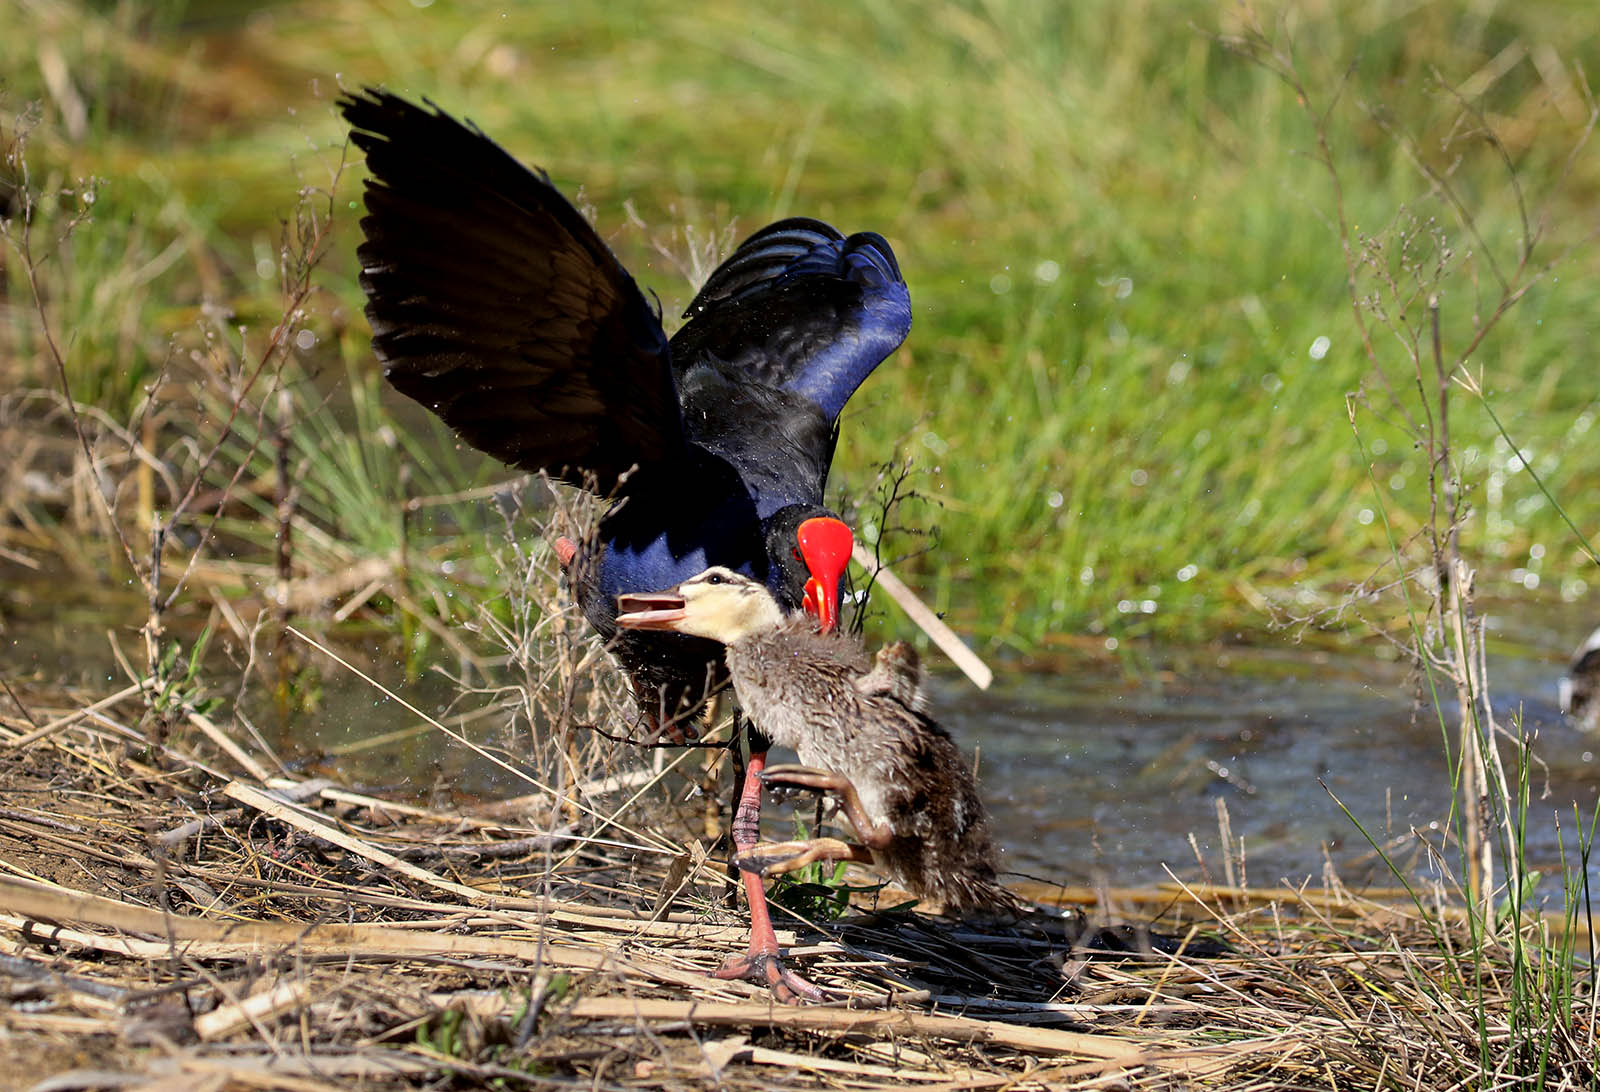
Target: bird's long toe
x=776 y=858
x=795 y=776
x=769 y=969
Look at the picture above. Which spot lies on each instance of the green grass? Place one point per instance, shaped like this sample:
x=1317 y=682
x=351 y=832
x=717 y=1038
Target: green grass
x=1116 y=242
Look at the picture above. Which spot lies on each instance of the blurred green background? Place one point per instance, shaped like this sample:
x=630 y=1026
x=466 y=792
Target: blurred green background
x=1125 y=390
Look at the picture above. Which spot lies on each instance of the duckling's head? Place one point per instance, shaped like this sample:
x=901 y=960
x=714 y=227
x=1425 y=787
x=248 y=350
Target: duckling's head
x=719 y=604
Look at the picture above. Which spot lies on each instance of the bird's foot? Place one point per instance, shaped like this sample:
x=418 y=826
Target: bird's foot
x=776 y=858
x=768 y=968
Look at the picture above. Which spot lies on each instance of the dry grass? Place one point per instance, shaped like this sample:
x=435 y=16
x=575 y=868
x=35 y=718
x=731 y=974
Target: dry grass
x=169 y=917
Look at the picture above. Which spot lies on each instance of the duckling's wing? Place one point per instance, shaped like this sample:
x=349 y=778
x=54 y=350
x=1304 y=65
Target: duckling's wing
x=497 y=306
x=800 y=306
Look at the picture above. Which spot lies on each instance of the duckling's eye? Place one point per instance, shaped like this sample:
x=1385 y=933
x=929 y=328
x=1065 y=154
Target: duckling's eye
x=715 y=578
x=795 y=553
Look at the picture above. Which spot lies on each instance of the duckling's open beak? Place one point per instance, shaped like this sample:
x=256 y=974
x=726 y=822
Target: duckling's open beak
x=825 y=545
x=651 y=610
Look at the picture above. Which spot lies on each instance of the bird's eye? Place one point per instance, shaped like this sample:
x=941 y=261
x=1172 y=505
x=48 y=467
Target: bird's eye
x=715 y=578
x=795 y=553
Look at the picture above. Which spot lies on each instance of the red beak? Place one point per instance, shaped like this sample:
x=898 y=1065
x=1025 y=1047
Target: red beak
x=825 y=545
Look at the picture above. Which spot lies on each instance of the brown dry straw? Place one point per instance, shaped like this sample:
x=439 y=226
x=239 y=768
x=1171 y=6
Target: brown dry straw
x=303 y=934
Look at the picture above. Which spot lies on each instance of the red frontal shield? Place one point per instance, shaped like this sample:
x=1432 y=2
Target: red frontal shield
x=825 y=545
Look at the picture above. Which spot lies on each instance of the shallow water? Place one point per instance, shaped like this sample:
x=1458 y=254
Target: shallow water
x=1093 y=777
x=1094 y=780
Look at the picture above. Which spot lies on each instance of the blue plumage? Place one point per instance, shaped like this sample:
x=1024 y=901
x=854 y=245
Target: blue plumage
x=496 y=305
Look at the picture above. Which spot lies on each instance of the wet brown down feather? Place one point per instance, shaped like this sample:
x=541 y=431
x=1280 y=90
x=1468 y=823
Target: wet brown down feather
x=820 y=695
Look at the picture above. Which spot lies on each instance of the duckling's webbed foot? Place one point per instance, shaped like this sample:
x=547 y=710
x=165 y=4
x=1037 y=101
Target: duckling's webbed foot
x=876 y=835
x=768 y=967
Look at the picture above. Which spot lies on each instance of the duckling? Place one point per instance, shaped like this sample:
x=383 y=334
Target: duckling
x=1580 y=687
x=859 y=733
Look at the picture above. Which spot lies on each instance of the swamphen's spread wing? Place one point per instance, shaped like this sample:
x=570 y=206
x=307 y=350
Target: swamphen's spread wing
x=496 y=305
x=802 y=307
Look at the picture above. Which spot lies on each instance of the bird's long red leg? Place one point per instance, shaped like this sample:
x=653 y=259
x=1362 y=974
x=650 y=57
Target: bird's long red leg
x=763 y=962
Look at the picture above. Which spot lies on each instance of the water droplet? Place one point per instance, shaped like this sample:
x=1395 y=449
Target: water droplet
x=1319 y=348
x=1000 y=283
x=1188 y=573
x=1365 y=516
x=1047 y=271
x=1055 y=500
x=305 y=340
x=1139 y=477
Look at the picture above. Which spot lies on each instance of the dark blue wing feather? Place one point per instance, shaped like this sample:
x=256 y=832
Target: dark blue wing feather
x=802 y=307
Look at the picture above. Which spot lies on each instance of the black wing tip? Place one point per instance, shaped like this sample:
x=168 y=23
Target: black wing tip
x=375 y=96
x=376 y=109
x=401 y=138
x=379 y=116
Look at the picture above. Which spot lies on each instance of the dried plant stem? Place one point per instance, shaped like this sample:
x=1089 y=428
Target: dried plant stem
x=286 y=653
